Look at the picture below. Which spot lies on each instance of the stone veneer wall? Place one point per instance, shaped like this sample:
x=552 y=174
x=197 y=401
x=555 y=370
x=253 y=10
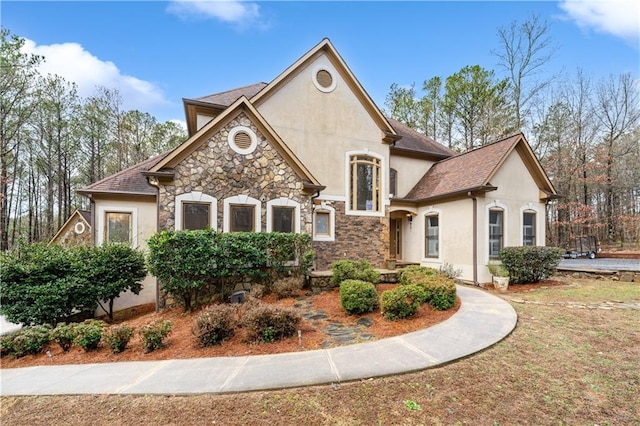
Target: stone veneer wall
x=216 y=170
x=356 y=237
x=69 y=238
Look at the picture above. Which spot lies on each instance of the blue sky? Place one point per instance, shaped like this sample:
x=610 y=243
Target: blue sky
x=158 y=52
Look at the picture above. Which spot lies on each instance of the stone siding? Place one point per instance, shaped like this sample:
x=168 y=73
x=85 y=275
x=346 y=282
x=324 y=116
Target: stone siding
x=218 y=171
x=69 y=238
x=356 y=237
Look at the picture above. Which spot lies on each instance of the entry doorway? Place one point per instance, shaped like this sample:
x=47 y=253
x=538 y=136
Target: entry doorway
x=395 y=238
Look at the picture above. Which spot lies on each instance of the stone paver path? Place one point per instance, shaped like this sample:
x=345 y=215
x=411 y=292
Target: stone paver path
x=338 y=334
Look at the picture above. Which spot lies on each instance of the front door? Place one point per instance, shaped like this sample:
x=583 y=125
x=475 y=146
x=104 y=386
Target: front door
x=395 y=238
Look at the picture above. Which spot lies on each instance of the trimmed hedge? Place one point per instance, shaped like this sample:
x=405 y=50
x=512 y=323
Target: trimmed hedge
x=530 y=264
x=188 y=263
x=402 y=302
x=360 y=270
x=358 y=297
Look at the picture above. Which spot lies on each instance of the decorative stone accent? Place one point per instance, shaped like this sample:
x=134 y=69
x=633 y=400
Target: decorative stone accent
x=70 y=238
x=216 y=170
x=356 y=237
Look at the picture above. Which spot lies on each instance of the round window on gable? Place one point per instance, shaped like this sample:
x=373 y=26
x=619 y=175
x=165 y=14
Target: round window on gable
x=324 y=79
x=242 y=140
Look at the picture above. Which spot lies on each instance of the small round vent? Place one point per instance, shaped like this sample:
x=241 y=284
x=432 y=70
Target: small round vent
x=242 y=140
x=79 y=228
x=324 y=78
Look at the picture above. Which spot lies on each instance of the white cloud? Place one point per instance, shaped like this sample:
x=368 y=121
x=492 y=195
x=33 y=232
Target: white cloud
x=72 y=62
x=620 y=18
x=240 y=13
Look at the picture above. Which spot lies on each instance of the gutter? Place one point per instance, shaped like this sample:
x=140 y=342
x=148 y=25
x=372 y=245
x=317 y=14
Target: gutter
x=475 y=238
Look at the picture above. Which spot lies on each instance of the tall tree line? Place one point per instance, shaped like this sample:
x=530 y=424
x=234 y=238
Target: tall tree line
x=53 y=142
x=586 y=133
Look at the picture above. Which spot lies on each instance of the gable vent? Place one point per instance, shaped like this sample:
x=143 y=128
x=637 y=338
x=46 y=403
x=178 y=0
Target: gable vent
x=242 y=140
x=324 y=79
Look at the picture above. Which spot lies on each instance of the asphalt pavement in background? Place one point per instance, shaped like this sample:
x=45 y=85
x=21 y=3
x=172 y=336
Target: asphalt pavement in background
x=601 y=264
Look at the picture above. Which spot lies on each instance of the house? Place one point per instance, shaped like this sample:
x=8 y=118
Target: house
x=311 y=152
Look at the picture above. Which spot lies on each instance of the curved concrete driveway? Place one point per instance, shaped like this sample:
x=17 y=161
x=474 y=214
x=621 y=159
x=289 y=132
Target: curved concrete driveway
x=481 y=321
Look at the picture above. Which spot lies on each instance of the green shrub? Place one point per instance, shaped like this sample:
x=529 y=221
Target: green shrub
x=361 y=270
x=31 y=340
x=287 y=287
x=188 y=263
x=358 y=297
x=413 y=273
x=530 y=264
x=64 y=335
x=266 y=323
x=402 y=301
x=89 y=334
x=7 y=347
x=442 y=292
x=117 y=337
x=44 y=284
x=113 y=269
x=154 y=333
x=214 y=325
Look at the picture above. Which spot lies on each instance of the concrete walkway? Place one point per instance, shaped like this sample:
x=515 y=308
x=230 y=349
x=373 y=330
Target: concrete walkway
x=481 y=321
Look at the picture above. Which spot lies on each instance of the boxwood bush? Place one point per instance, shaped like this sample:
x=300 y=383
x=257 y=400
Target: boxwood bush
x=154 y=333
x=117 y=337
x=64 y=334
x=402 y=301
x=358 y=297
x=409 y=274
x=30 y=340
x=530 y=264
x=361 y=270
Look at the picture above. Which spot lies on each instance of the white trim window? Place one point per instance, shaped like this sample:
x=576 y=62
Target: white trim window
x=496 y=232
x=117 y=225
x=195 y=210
x=432 y=235
x=283 y=215
x=242 y=214
x=528 y=228
x=365 y=181
x=324 y=219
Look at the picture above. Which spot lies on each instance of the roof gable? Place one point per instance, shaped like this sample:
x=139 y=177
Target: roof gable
x=473 y=171
x=82 y=215
x=200 y=137
x=325 y=47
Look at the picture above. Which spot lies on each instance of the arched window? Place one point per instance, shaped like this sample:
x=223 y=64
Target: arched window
x=496 y=233
x=364 y=183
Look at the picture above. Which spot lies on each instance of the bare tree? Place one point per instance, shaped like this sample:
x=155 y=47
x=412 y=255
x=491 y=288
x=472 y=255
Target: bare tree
x=525 y=48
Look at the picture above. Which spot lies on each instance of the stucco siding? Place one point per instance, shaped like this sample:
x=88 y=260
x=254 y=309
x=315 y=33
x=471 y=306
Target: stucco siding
x=410 y=171
x=144 y=226
x=320 y=127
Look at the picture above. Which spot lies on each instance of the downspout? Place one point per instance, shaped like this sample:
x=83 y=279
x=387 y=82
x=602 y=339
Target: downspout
x=153 y=181
x=475 y=237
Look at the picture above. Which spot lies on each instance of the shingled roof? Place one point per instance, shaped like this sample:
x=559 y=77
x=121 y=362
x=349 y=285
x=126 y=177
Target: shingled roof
x=464 y=172
x=230 y=96
x=129 y=181
x=415 y=142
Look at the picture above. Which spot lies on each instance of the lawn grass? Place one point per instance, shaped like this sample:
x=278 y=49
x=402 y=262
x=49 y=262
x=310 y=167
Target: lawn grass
x=560 y=366
x=587 y=291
